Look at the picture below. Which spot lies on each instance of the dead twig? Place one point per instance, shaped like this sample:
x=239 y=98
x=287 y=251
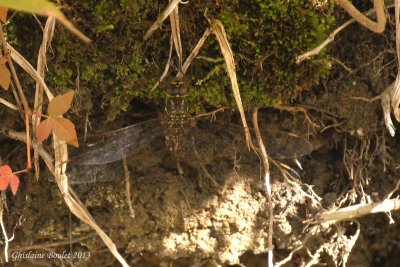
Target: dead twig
x=359 y=210
x=128 y=188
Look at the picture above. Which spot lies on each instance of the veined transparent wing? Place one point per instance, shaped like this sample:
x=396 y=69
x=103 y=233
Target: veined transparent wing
x=115 y=145
x=100 y=157
x=279 y=144
x=99 y=160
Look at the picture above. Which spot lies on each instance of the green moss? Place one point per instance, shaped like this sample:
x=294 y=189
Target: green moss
x=119 y=66
x=62 y=79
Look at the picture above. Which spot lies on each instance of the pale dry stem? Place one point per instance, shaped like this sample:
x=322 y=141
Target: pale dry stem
x=267 y=181
x=8 y=104
x=359 y=210
x=48 y=34
x=128 y=188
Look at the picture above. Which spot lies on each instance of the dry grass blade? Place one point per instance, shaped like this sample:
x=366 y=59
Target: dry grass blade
x=195 y=51
x=8 y=104
x=167 y=11
x=167 y=65
x=395 y=90
x=40 y=69
x=25 y=65
x=219 y=31
x=176 y=36
x=74 y=204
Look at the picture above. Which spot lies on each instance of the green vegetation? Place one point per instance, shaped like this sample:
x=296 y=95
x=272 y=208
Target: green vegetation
x=119 y=66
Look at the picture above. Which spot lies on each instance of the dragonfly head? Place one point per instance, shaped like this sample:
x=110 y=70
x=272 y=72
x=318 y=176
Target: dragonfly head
x=176 y=87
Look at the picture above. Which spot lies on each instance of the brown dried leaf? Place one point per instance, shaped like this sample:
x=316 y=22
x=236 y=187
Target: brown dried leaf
x=64 y=129
x=3 y=60
x=3 y=14
x=43 y=130
x=219 y=31
x=60 y=104
x=5 y=77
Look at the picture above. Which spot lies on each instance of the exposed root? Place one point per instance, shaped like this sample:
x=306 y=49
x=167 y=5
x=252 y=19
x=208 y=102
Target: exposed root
x=128 y=188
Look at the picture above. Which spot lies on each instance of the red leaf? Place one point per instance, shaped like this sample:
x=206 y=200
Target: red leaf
x=43 y=130
x=14 y=183
x=3 y=14
x=60 y=104
x=5 y=77
x=7 y=177
x=4 y=182
x=64 y=129
x=5 y=172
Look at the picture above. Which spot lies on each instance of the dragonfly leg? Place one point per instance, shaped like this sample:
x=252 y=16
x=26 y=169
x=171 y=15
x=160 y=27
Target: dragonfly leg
x=201 y=165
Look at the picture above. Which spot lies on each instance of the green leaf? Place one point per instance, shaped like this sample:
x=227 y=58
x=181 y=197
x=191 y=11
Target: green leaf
x=44 y=8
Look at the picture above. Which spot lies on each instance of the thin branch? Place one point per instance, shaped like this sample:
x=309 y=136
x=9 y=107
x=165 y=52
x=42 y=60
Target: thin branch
x=379 y=6
x=21 y=136
x=359 y=210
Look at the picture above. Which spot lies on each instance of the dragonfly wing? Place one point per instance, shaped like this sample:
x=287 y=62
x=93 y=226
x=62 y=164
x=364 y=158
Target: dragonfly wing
x=279 y=144
x=117 y=144
x=91 y=174
x=285 y=145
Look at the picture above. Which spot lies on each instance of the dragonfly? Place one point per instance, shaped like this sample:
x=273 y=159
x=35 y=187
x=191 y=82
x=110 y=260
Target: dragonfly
x=96 y=161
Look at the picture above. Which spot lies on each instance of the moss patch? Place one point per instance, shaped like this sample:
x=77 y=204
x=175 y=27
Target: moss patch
x=118 y=66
